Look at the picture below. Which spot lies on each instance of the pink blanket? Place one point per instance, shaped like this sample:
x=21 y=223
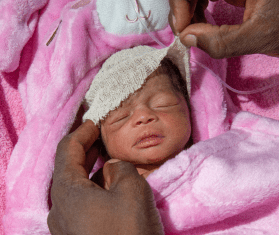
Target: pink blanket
x=12 y=121
x=225 y=184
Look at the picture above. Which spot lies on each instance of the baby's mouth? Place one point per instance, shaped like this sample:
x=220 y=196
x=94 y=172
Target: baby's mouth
x=150 y=141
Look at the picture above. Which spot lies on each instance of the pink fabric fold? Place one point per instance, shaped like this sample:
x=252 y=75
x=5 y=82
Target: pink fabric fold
x=228 y=183
x=249 y=72
x=225 y=184
x=53 y=81
x=12 y=121
x=18 y=20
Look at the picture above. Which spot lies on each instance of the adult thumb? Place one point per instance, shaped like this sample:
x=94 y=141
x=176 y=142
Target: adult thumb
x=223 y=41
x=120 y=174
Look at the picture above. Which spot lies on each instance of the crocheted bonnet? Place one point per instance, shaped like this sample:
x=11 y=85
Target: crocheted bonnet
x=125 y=72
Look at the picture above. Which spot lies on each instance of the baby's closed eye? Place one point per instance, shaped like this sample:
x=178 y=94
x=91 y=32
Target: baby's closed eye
x=165 y=105
x=164 y=102
x=119 y=117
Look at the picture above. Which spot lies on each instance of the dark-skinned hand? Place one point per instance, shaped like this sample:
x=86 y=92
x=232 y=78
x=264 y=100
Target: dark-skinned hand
x=259 y=32
x=81 y=207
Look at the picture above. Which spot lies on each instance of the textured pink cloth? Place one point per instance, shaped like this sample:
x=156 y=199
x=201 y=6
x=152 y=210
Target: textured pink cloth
x=225 y=184
x=249 y=72
x=52 y=82
x=12 y=121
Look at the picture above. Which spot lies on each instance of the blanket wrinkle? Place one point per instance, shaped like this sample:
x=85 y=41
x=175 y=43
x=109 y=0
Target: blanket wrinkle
x=12 y=121
x=51 y=104
x=266 y=100
x=22 y=18
x=204 y=84
x=221 y=182
x=7 y=120
x=227 y=183
x=249 y=72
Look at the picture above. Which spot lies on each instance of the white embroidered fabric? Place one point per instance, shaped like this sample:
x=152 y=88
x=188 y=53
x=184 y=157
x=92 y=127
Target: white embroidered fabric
x=113 y=15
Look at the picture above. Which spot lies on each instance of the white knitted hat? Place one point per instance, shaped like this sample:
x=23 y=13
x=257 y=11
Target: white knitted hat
x=125 y=72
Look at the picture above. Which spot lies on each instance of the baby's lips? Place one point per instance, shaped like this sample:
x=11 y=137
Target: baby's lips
x=147 y=134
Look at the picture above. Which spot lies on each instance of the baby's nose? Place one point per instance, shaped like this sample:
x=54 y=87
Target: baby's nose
x=144 y=116
x=144 y=120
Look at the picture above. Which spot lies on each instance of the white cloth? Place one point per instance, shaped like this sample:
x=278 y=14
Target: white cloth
x=112 y=15
x=125 y=72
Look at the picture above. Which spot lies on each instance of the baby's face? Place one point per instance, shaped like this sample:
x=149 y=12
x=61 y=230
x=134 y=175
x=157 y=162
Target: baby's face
x=150 y=127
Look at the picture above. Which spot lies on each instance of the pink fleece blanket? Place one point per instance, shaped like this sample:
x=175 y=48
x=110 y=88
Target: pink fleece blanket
x=227 y=183
x=12 y=121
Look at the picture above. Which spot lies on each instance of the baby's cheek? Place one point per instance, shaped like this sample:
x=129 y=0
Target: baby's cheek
x=181 y=128
x=116 y=149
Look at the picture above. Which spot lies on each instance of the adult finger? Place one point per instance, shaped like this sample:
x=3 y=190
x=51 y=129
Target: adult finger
x=52 y=223
x=231 y=40
x=71 y=155
x=86 y=134
x=125 y=183
x=116 y=170
x=217 y=41
x=123 y=176
x=257 y=34
x=181 y=14
x=186 y=12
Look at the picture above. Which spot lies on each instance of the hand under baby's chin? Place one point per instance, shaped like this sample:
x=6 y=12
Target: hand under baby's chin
x=146 y=169
x=144 y=172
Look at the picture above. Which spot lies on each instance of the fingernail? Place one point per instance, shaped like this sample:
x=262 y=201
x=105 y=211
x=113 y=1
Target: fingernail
x=113 y=161
x=174 y=25
x=106 y=186
x=173 y=21
x=190 y=40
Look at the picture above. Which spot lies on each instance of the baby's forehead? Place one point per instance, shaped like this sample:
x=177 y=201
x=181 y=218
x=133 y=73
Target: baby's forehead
x=158 y=84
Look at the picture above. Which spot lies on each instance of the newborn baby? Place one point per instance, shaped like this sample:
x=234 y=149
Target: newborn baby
x=150 y=124
x=153 y=124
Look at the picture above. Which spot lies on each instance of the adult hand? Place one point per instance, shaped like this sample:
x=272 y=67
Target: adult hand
x=81 y=207
x=259 y=32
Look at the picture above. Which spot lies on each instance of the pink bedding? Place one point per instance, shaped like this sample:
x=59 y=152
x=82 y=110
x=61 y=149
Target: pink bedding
x=225 y=184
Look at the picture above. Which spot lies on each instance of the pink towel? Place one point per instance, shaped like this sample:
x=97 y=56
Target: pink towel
x=225 y=184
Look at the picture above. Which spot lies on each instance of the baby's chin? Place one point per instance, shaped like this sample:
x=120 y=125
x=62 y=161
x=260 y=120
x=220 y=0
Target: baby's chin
x=158 y=161
x=155 y=159
x=146 y=164
x=147 y=167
